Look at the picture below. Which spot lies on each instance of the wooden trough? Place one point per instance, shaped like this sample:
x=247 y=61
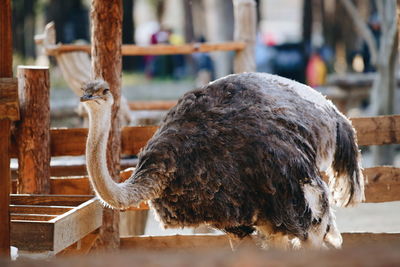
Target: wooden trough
x=52 y=223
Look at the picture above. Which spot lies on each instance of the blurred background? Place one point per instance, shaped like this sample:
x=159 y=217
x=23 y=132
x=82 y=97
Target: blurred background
x=346 y=49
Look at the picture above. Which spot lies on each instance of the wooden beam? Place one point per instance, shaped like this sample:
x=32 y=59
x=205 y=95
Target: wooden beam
x=370 y=239
x=78 y=169
x=72 y=142
x=53 y=228
x=5 y=39
x=79 y=185
x=71 y=226
x=5 y=180
x=33 y=131
x=245 y=31
x=157 y=243
x=39 y=209
x=5 y=124
x=383 y=184
x=106 y=17
x=49 y=200
x=379 y=130
x=135 y=138
x=9 y=104
x=182 y=49
x=71 y=186
x=179 y=242
x=160 y=49
x=151 y=105
x=31 y=217
x=82 y=247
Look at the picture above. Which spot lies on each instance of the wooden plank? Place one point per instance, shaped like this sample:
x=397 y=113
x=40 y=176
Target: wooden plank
x=82 y=247
x=6 y=47
x=39 y=209
x=175 y=242
x=151 y=105
x=32 y=236
x=71 y=142
x=74 y=170
x=31 y=217
x=76 y=224
x=245 y=31
x=160 y=49
x=379 y=130
x=79 y=185
x=9 y=103
x=383 y=184
x=71 y=186
x=370 y=239
x=221 y=241
x=8 y=110
x=54 y=228
x=106 y=39
x=135 y=138
x=54 y=200
x=32 y=132
x=5 y=181
x=68 y=142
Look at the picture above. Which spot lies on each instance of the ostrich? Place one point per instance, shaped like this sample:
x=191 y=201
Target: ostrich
x=242 y=154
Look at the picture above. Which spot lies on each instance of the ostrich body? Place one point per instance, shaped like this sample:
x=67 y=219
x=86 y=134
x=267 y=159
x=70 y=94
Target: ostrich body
x=244 y=153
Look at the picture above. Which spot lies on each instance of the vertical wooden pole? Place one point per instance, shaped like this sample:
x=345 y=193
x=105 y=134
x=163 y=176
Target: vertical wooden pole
x=219 y=28
x=33 y=130
x=5 y=180
x=245 y=31
x=5 y=176
x=106 y=19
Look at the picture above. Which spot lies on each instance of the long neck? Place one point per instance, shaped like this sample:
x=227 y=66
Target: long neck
x=110 y=192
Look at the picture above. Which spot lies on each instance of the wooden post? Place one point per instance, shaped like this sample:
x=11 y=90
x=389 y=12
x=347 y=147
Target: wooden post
x=33 y=131
x=245 y=31
x=6 y=97
x=5 y=180
x=106 y=19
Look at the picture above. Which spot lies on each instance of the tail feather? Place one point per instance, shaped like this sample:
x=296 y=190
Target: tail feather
x=347 y=182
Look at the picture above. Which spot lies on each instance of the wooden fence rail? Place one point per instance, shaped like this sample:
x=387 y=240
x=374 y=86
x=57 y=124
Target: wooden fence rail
x=159 y=49
x=378 y=130
x=383 y=181
x=178 y=242
x=383 y=185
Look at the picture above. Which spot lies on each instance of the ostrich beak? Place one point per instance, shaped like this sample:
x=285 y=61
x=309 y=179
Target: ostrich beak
x=85 y=98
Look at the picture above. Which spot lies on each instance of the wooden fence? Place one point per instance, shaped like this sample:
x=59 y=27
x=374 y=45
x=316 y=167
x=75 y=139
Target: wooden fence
x=383 y=182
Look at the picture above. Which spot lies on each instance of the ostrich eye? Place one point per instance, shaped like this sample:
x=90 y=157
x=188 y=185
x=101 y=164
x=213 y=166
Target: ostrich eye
x=106 y=91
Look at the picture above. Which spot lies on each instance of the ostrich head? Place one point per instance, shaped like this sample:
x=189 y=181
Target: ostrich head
x=97 y=93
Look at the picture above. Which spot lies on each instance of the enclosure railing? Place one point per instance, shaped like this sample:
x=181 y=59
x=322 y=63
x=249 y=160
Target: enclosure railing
x=383 y=182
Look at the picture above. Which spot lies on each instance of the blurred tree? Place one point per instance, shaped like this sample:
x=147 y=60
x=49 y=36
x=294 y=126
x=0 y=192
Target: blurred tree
x=128 y=32
x=219 y=23
x=71 y=20
x=384 y=57
x=189 y=31
x=23 y=20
